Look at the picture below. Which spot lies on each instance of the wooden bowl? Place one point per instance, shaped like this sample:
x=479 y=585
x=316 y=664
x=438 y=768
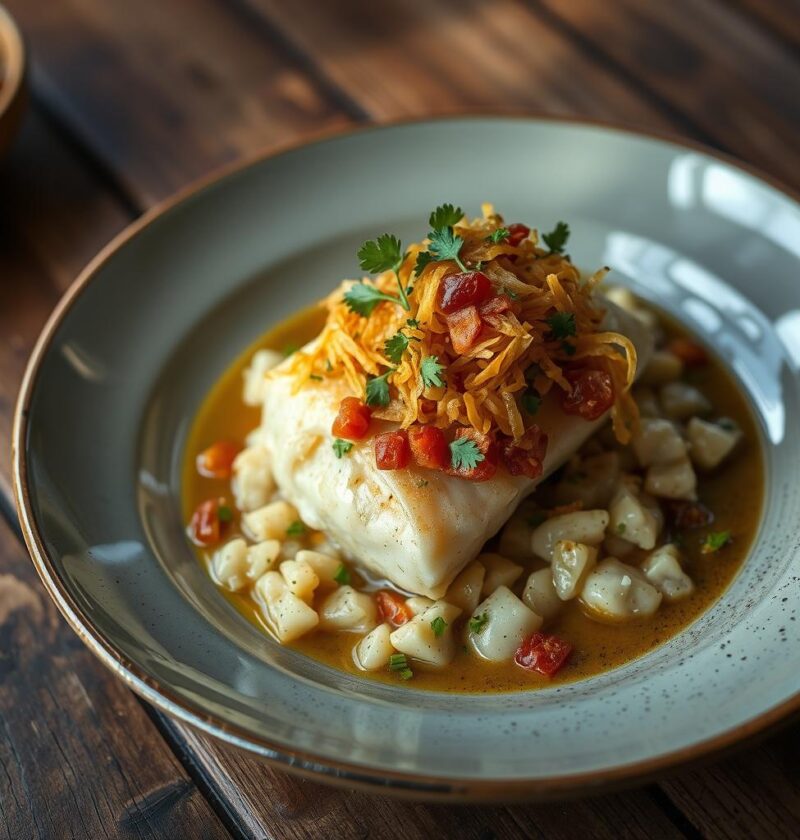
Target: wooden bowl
x=12 y=78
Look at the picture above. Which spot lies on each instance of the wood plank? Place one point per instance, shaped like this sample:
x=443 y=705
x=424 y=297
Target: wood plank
x=780 y=17
x=163 y=93
x=79 y=756
x=736 y=82
x=415 y=57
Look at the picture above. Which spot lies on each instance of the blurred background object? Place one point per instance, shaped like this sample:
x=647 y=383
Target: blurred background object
x=12 y=79
x=131 y=101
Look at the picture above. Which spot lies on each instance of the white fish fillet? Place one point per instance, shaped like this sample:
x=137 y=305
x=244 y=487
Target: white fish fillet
x=417 y=528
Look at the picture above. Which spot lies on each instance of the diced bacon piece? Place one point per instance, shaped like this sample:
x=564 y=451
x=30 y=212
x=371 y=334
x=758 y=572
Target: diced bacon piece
x=526 y=455
x=392 y=608
x=352 y=421
x=429 y=447
x=491 y=310
x=516 y=233
x=592 y=394
x=392 y=451
x=465 y=328
x=689 y=352
x=205 y=525
x=544 y=653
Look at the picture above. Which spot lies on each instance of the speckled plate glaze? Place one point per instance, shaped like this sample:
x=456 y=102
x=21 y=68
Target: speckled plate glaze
x=127 y=357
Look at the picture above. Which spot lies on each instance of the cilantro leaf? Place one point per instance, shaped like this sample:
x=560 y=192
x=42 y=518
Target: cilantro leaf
x=445 y=216
x=423 y=258
x=557 y=238
x=531 y=402
x=296 y=529
x=431 y=372
x=413 y=323
x=377 y=391
x=478 y=622
x=342 y=576
x=224 y=513
x=341 y=447
x=445 y=245
x=562 y=324
x=568 y=349
x=362 y=298
x=438 y=625
x=465 y=454
x=499 y=235
x=381 y=254
x=394 y=348
x=715 y=541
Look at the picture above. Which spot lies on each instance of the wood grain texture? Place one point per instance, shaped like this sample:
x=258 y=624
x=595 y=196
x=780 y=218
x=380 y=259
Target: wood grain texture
x=781 y=18
x=738 y=84
x=78 y=755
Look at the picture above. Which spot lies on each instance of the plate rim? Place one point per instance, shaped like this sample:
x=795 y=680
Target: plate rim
x=338 y=772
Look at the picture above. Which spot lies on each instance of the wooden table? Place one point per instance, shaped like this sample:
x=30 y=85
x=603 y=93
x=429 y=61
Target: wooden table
x=132 y=100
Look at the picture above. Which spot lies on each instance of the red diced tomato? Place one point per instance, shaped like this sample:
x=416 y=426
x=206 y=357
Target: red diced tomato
x=352 y=421
x=491 y=310
x=466 y=289
x=392 y=451
x=429 y=447
x=465 y=327
x=692 y=515
x=543 y=653
x=483 y=470
x=592 y=394
x=516 y=233
x=392 y=608
x=205 y=526
x=526 y=456
x=217 y=460
x=689 y=352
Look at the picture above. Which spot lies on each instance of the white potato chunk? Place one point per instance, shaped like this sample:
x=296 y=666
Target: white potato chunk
x=230 y=565
x=287 y=616
x=300 y=578
x=327 y=547
x=675 y=480
x=662 y=368
x=418 y=603
x=632 y=520
x=325 y=567
x=625 y=299
x=590 y=481
x=585 y=526
x=373 y=651
x=262 y=557
x=615 y=592
x=290 y=549
x=418 y=638
x=347 y=609
x=262 y=361
x=500 y=571
x=270 y=522
x=711 y=443
x=465 y=590
x=572 y=561
x=515 y=539
x=504 y=623
x=663 y=569
x=252 y=483
x=540 y=594
x=657 y=442
x=679 y=401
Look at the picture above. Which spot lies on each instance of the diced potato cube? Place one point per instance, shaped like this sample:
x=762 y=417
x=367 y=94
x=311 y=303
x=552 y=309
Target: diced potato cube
x=417 y=638
x=252 y=483
x=632 y=520
x=515 y=539
x=262 y=557
x=663 y=569
x=465 y=590
x=373 y=651
x=590 y=481
x=614 y=591
x=657 y=442
x=270 y=587
x=418 y=604
x=680 y=401
x=675 y=480
x=571 y=563
x=662 y=368
x=291 y=548
x=585 y=526
x=327 y=547
x=323 y=565
x=540 y=594
x=301 y=579
x=287 y=615
x=230 y=565
x=499 y=572
x=711 y=443
x=347 y=609
x=262 y=361
x=504 y=623
x=270 y=522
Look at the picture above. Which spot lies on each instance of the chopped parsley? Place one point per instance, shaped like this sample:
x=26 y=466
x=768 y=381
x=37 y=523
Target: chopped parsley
x=621 y=528
x=444 y=244
x=362 y=298
x=224 y=513
x=715 y=541
x=377 y=390
x=465 y=454
x=377 y=255
x=315 y=376
x=290 y=349
x=421 y=482
x=499 y=235
x=394 y=347
x=478 y=622
x=531 y=402
x=413 y=323
x=296 y=529
x=445 y=215
x=557 y=238
x=341 y=447
x=562 y=325
x=438 y=625
x=431 y=372
x=342 y=575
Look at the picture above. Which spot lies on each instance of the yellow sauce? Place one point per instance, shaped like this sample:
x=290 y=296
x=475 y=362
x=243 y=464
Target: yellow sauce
x=734 y=492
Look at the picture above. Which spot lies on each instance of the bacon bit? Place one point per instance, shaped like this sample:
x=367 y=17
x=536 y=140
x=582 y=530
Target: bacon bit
x=205 y=525
x=486 y=468
x=392 y=608
x=568 y=508
x=491 y=310
x=217 y=460
x=465 y=327
x=459 y=290
x=526 y=455
x=429 y=447
x=544 y=653
x=516 y=233
x=392 y=451
x=352 y=421
x=691 y=515
x=689 y=352
x=592 y=394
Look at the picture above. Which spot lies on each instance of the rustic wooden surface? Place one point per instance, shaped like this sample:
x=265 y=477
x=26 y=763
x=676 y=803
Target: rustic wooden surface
x=131 y=101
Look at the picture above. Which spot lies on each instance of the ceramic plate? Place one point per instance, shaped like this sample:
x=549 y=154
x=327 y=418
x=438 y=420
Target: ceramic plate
x=128 y=356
